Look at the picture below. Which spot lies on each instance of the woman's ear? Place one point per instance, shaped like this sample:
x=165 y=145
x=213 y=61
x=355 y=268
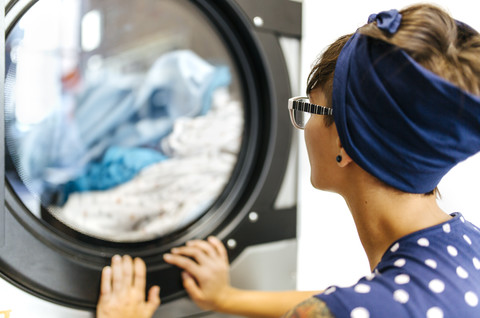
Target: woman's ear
x=343 y=159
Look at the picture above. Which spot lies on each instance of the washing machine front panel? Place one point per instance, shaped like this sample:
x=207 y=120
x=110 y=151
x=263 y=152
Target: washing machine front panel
x=181 y=99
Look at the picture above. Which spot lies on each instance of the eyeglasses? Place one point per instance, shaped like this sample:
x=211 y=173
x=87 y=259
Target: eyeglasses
x=301 y=109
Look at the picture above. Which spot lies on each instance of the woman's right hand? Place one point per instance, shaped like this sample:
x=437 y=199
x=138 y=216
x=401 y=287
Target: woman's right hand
x=122 y=290
x=206 y=271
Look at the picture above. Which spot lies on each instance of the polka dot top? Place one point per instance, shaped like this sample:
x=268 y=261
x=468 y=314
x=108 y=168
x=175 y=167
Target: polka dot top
x=432 y=273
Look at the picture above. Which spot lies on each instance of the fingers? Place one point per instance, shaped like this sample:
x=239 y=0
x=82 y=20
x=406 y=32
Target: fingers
x=140 y=277
x=219 y=247
x=117 y=272
x=123 y=274
x=204 y=246
x=183 y=262
x=192 y=250
x=199 y=249
x=191 y=286
x=127 y=270
x=153 y=300
x=106 y=281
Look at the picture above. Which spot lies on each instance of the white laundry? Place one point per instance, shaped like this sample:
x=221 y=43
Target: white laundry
x=170 y=194
x=221 y=127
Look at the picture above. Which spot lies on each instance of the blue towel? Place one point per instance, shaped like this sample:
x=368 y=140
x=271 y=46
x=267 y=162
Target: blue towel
x=118 y=165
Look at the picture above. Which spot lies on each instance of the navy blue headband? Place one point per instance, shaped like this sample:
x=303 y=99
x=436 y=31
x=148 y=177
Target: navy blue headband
x=397 y=120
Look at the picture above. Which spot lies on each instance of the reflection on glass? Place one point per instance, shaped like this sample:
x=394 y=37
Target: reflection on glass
x=123 y=118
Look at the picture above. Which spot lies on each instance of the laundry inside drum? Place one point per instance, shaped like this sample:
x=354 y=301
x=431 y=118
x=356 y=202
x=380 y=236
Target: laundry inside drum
x=124 y=119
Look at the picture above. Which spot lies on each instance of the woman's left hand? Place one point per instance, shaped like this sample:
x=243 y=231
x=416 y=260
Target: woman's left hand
x=206 y=275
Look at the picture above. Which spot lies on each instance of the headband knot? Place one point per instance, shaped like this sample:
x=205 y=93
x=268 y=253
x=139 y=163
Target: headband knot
x=388 y=21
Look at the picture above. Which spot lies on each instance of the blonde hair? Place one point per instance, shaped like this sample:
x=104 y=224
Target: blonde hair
x=321 y=74
x=429 y=35
x=439 y=43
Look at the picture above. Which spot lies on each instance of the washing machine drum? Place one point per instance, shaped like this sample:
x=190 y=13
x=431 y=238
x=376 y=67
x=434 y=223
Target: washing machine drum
x=130 y=127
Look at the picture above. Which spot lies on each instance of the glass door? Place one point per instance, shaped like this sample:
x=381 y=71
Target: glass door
x=123 y=119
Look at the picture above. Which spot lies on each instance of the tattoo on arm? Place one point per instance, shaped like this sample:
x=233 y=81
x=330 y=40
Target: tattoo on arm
x=312 y=307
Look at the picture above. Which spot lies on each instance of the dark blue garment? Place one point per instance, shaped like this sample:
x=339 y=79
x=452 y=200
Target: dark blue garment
x=431 y=273
x=397 y=120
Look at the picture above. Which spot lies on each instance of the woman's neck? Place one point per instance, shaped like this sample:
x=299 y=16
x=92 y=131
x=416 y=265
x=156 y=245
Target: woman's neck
x=383 y=215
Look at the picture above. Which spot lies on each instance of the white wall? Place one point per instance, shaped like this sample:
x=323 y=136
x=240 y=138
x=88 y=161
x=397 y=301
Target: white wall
x=329 y=248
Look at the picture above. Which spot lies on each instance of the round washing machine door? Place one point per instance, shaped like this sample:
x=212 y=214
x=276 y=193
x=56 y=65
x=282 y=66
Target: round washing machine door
x=130 y=127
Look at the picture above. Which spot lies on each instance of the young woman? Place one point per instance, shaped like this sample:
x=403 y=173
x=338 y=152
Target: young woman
x=391 y=109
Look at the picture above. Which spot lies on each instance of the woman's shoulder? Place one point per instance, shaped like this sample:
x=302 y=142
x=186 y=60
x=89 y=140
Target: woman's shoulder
x=402 y=290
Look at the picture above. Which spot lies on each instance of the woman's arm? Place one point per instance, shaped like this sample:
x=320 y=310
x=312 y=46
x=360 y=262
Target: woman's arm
x=310 y=308
x=206 y=279
x=252 y=303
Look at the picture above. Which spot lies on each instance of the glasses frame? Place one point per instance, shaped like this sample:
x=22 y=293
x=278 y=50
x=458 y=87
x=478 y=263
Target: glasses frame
x=302 y=103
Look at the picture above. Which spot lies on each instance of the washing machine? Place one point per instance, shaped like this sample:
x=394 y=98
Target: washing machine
x=131 y=127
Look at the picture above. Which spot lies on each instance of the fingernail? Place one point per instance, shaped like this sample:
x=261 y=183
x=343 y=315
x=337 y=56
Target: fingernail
x=116 y=258
x=174 y=250
x=167 y=257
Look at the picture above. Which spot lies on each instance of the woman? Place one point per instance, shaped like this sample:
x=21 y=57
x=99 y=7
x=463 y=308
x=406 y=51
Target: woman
x=400 y=106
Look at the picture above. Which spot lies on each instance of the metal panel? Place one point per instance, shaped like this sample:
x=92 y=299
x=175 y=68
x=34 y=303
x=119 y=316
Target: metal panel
x=278 y=16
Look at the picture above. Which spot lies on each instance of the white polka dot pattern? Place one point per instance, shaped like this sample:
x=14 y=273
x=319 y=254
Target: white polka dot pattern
x=401 y=296
x=446 y=228
x=435 y=312
x=400 y=262
x=330 y=290
x=436 y=285
x=476 y=263
x=402 y=279
x=395 y=247
x=467 y=239
x=431 y=263
x=461 y=272
x=360 y=312
x=471 y=299
x=423 y=242
x=452 y=250
x=362 y=288
x=429 y=274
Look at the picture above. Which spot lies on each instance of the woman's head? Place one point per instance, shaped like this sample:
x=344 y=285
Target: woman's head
x=383 y=100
